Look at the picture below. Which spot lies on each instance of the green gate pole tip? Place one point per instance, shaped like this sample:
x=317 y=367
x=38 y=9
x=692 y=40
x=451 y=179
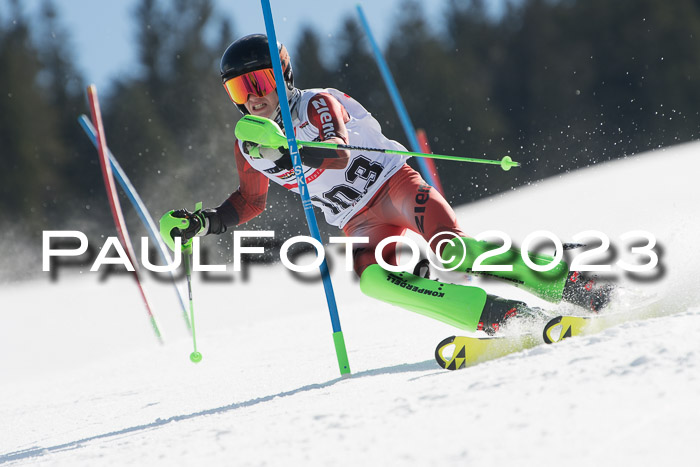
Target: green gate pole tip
x=156 y=330
x=341 y=351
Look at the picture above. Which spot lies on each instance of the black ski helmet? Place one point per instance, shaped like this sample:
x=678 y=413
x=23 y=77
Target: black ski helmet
x=251 y=53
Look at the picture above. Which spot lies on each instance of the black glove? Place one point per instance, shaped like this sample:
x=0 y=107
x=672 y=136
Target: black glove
x=285 y=162
x=197 y=225
x=280 y=156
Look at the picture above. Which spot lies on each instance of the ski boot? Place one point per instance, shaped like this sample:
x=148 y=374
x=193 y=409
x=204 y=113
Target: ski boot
x=587 y=293
x=422 y=269
x=497 y=311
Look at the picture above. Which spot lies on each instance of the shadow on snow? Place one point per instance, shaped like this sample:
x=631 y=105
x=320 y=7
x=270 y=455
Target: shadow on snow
x=38 y=451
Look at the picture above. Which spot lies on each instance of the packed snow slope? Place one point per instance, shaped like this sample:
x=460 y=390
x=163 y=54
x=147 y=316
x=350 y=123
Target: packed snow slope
x=83 y=381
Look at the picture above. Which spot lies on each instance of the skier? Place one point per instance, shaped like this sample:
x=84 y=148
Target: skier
x=367 y=194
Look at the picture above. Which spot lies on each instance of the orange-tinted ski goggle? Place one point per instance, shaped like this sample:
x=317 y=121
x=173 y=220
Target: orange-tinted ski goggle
x=259 y=83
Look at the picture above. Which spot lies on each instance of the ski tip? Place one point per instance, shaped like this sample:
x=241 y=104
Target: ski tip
x=448 y=363
x=548 y=334
x=562 y=327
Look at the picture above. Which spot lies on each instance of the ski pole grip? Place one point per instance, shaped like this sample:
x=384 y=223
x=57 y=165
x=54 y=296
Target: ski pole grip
x=260 y=130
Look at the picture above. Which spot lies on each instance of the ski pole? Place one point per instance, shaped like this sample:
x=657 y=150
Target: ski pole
x=186 y=249
x=195 y=356
x=268 y=134
x=169 y=223
x=506 y=163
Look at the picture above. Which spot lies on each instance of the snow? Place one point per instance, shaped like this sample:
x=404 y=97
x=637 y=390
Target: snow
x=84 y=381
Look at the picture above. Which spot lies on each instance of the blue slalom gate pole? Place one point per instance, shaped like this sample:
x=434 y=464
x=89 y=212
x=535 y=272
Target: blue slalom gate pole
x=398 y=102
x=338 y=338
x=139 y=206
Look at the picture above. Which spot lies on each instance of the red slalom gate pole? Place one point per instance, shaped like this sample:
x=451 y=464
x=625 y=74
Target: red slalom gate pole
x=425 y=147
x=114 y=205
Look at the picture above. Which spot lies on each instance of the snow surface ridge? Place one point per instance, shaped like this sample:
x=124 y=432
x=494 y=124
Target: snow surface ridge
x=84 y=382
